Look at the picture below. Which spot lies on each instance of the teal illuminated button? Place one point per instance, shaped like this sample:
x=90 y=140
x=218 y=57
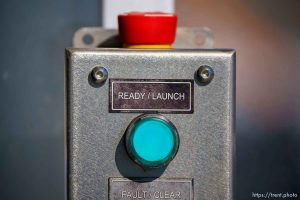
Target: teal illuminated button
x=152 y=140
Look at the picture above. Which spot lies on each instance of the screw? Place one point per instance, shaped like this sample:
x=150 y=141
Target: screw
x=99 y=75
x=205 y=74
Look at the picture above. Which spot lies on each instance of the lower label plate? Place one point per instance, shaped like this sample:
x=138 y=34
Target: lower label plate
x=147 y=188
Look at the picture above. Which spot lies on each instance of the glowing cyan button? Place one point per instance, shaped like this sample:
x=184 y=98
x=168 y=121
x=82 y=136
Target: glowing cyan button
x=152 y=140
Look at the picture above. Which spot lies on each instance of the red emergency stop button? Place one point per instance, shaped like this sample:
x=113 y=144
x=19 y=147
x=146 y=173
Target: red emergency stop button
x=147 y=28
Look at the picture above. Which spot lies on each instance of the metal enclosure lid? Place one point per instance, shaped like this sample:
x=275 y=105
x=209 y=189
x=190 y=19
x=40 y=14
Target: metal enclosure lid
x=95 y=137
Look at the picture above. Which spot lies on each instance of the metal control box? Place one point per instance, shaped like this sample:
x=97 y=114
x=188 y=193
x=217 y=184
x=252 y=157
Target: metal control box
x=98 y=165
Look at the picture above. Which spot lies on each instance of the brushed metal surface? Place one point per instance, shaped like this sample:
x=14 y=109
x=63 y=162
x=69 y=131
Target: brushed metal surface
x=95 y=137
x=186 y=37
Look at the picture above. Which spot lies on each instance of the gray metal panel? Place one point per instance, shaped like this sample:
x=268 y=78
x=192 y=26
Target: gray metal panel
x=186 y=37
x=95 y=137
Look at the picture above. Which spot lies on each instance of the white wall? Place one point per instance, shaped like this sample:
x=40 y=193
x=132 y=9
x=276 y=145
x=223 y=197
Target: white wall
x=111 y=8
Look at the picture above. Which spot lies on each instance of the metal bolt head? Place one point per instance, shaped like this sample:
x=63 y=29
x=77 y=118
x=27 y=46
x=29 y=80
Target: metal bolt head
x=99 y=75
x=205 y=74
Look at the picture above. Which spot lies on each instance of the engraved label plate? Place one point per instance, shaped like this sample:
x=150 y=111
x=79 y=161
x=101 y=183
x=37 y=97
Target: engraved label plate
x=151 y=96
x=145 y=188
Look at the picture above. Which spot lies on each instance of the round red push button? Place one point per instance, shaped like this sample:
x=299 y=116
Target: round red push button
x=147 y=27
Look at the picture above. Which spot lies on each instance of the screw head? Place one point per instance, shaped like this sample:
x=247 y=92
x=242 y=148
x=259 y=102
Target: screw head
x=205 y=74
x=99 y=75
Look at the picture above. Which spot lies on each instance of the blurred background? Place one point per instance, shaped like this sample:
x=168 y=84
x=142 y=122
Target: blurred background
x=34 y=33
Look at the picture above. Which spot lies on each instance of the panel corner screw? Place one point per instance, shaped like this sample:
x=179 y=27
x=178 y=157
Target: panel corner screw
x=99 y=75
x=205 y=74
